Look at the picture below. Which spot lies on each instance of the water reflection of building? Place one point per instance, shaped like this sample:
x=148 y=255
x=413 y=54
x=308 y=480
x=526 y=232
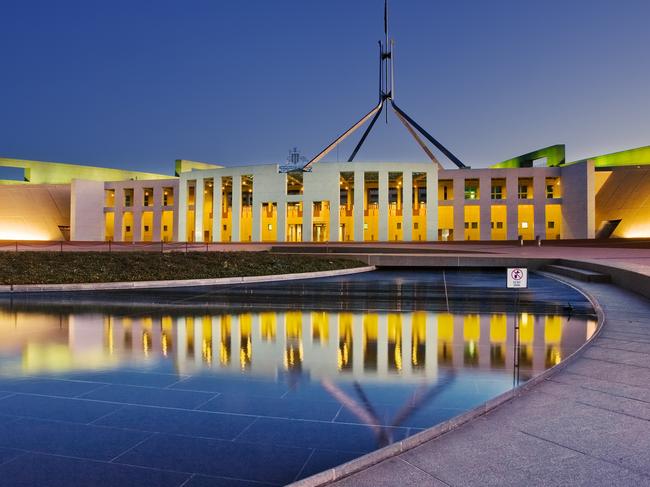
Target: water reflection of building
x=360 y=345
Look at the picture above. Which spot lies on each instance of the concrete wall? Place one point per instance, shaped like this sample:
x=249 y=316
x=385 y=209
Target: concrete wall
x=624 y=194
x=86 y=210
x=578 y=208
x=34 y=212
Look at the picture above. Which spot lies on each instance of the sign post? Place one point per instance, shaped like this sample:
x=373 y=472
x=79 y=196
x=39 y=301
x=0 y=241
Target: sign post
x=516 y=278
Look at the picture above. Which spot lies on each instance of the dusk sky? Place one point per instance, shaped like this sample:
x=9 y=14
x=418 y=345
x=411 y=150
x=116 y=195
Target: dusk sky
x=138 y=84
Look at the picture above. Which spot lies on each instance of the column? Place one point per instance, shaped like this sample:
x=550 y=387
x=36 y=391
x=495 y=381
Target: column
x=539 y=202
x=512 y=202
x=307 y=220
x=485 y=185
x=119 y=213
x=407 y=206
x=236 y=208
x=257 y=219
x=217 y=202
x=432 y=205
x=335 y=214
x=180 y=203
x=282 y=221
x=459 y=208
x=359 y=189
x=157 y=213
x=198 y=210
x=383 y=206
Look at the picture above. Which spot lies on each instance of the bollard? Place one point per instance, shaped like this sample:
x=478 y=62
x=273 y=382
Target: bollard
x=521 y=240
x=538 y=240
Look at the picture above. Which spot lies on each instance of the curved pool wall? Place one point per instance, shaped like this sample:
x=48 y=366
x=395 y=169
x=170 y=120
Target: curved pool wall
x=239 y=374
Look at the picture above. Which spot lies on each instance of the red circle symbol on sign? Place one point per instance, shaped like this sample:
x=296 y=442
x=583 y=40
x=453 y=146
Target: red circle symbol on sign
x=516 y=274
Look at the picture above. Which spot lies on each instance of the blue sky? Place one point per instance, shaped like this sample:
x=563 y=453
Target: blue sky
x=138 y=84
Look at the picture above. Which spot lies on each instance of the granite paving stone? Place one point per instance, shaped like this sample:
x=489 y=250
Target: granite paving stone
x=35 y=469
x=56 y=408
x=315 y=434
x=150 y=396
x=70 y=439
x=286 y=407
x=48 y=387
x=391 y=473
x=212 y=457
x=185 y=422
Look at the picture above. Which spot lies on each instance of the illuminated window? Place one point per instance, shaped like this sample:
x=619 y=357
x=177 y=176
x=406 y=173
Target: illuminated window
x=524 y=224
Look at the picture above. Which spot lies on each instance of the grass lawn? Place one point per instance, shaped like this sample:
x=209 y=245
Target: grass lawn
x=78 y=267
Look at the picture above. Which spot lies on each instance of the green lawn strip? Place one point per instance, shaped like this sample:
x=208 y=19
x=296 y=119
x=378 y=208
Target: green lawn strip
x=79 y=267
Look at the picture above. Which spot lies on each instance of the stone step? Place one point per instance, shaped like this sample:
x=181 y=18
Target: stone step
x=578 y=274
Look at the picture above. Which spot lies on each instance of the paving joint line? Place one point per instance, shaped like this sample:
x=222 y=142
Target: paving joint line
x=423 y=471
x=618 y=465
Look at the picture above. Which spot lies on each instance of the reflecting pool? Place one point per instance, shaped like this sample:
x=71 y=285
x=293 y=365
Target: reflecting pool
x=255 y=386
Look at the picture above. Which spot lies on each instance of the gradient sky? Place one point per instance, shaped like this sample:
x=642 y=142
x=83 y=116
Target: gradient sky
x=138 y=84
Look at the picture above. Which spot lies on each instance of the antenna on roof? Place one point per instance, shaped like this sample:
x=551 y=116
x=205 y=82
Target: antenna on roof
x=386 y=96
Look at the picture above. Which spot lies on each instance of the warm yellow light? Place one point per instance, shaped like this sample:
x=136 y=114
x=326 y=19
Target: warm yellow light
x=25 y=234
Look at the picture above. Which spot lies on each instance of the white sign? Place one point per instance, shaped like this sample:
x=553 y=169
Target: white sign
x=517 y=277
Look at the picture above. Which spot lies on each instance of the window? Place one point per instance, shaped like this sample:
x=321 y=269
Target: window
x=551 y=224
x=399 y=226
x=499 y=225
x=416 y=225
x=269 y=227
x=472 y=189
x=444 y=193
x=492 y=225
x=128 y=197
x=146 y=228
x=164 y=228
x=127 y=228
x=474 y=225
x=497 y=192
x=148 y=197
x=524 y=224
x=549 y=191
x=168 y=196
x=466 y=224
x=523 y=192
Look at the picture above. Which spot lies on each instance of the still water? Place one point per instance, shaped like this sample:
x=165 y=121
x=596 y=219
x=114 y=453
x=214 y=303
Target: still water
x=264 y=383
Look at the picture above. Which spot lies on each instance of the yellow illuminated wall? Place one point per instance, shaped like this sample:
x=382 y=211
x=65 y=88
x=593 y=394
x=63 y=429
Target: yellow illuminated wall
x=445 y=223
x=623 y=195
x=472 y=221
x=526 y=221
x=147 y=226
x=167 y=226
x=109 y=225
x=498 y=222
x=34 y=212
x=127 y=226
x=553 y=221
x=269 y=222
x=294 y=222
x=320 y=221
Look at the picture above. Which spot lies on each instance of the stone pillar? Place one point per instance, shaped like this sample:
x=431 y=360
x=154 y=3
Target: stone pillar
x=432 y=205
x=198 y=210
x=383 y=206
x=359 y=182
x=181 y=214
x=407 y=206
x=217 y=202
x=236 y=208
x=539 y=202
x=459 y=208
x=307 y=220
x=282 y=221
x=485 y=200
x=512 y=204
